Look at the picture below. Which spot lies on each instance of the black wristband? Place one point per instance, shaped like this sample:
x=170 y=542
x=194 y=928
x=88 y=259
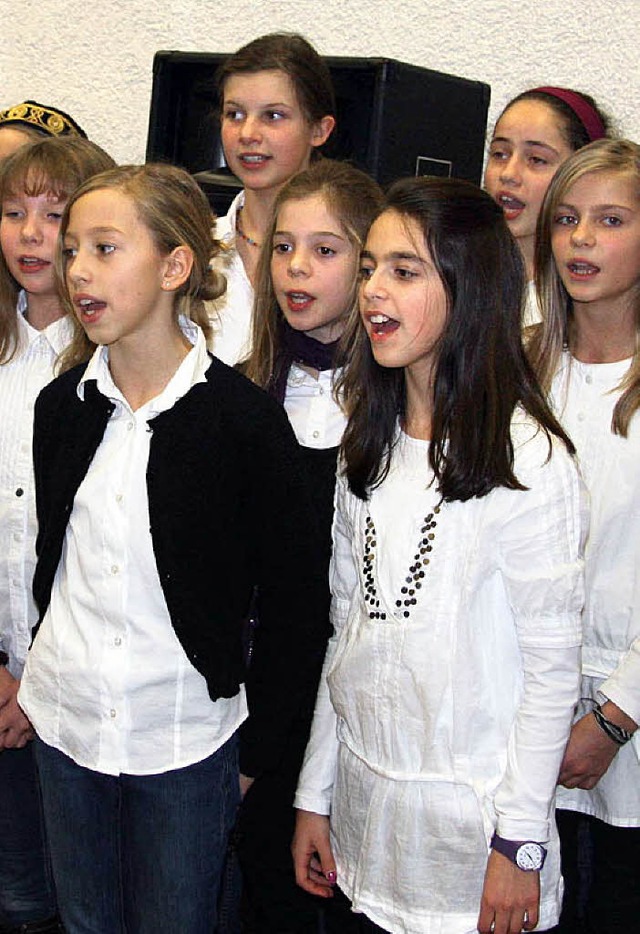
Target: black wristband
x=4 y=658
x=618 y=734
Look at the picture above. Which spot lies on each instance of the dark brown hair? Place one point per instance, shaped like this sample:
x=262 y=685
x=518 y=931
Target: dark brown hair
x=481 y=373
x=295 y=57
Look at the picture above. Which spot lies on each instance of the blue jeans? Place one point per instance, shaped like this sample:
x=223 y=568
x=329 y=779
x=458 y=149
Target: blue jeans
x=26 y=887
x=139 y=853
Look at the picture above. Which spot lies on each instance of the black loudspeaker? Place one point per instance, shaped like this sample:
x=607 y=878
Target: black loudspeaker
x=393 y=120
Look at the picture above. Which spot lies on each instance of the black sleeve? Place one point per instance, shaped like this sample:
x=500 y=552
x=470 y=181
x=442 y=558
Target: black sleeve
x=293 y=596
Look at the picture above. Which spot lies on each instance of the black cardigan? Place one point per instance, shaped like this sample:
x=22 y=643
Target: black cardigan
x=229 y=511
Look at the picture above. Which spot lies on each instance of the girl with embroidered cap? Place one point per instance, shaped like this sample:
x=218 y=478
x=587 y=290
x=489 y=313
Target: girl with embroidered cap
x=277 y=110
x=35 y=184
x=305 y=291
x=168 y=490
x=456 y=577
x=586 y=352
x=533 y=136
x=29 y=121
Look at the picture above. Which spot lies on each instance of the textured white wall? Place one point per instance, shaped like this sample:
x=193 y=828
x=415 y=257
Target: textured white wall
x=95 y=59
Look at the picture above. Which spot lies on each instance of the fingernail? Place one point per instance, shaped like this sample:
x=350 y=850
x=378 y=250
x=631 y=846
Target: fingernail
x=331 y=876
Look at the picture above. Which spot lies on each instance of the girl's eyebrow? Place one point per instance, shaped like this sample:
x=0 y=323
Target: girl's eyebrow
x=315 y=233
x=566 y=205
x=395 y=255
x=528 y=142
x=232 y=103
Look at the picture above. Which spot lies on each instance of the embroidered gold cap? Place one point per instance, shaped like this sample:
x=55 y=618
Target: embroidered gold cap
x=47 y=120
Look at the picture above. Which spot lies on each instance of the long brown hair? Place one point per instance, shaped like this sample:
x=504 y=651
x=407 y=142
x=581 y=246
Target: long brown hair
x=481 y=373
x=48 y=166
x=176 y=212
x=354 y=199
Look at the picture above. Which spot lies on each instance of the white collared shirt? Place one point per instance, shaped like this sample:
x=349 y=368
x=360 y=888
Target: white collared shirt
x=315 y=416
x=231 y=315
x=107 y=681
x=584 y=396
x=21 y=380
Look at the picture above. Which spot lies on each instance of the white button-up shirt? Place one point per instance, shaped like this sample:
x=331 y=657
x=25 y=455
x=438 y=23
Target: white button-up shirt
x=433 y=729
x=231 y=315
x=107 y=681
x=21 y=379
x=315 y=416
x=584 y=397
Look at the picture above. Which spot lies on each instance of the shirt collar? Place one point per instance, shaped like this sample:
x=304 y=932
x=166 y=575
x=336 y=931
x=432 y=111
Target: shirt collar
x=191 y=371
x=58 y=334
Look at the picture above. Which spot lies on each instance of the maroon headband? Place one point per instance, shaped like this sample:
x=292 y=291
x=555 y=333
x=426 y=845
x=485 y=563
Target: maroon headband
x=586 y=114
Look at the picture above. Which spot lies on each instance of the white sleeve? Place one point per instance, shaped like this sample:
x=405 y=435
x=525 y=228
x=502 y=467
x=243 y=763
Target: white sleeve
x=316 y=779
x=623 y=685
x=541 y=545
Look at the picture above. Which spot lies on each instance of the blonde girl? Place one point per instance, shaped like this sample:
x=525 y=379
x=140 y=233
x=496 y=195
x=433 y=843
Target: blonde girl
x=306 y=290
x=533 y=136
x=586 y=353
x=35 y=184
x=277 y=110
x=428 y=781
x=168 y=489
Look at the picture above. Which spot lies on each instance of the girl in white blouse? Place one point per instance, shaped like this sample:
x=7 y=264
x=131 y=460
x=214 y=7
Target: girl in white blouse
x=448 y=688
x=586 y=352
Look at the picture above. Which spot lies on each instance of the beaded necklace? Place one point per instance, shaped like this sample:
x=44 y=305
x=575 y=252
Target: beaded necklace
x=241 y=232
x=413 y=580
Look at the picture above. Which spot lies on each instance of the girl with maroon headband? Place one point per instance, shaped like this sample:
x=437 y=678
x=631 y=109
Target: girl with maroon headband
x=535 y=133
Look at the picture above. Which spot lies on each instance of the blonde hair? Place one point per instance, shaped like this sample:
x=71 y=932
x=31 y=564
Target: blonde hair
x=355 y=200
x=49 y=166
x=176 y=213
x=547 y=340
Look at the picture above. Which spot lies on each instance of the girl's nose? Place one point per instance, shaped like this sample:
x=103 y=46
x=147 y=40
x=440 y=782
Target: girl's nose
x=250 y=129
x=583 y=233
x=511 y=170
x=371 y=287
x=31 y=230
x=299 y=264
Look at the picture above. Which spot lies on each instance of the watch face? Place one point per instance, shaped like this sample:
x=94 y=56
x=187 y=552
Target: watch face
x=530 y=856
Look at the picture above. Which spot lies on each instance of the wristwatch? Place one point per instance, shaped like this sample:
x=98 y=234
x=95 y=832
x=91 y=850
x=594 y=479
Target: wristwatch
x=526 y=854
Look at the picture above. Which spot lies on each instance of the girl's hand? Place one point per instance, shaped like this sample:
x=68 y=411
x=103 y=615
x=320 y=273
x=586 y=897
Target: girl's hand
x=590 y=752
x=313 y=860
x=15 y=729
x=510 y=898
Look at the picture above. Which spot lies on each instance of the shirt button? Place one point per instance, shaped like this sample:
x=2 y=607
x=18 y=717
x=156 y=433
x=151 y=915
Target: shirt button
x=321 y=391
x=588 y=378
x=19 y=491
x=119 y=497
x=115 y=569
x=129 y=426
x=316 y=434
x=112 y=713
x=117 y=641
x=580 y=416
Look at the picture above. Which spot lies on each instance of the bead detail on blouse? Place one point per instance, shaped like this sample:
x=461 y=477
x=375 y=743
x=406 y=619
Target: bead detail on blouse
x=413 y=581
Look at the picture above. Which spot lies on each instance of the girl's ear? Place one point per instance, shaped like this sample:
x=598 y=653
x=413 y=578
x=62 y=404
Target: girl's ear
x=178 y=266
x=322 y=130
